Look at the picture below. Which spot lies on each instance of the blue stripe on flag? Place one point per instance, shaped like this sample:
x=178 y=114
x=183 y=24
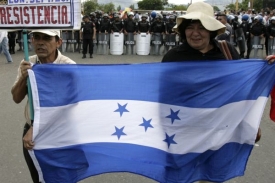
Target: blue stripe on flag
x=157 y=82
x=74 y=163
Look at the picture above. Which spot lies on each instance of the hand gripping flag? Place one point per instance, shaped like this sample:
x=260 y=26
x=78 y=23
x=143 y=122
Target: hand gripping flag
x=172 y=122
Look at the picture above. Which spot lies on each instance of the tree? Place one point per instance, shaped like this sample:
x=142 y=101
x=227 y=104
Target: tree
x=132 y=6
x=216 y=8
x=179 y=7
x=89 y=6
x=118 y=8
x=150 y=5
x=110 y=7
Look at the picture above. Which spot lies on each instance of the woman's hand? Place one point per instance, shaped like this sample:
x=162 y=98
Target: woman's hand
x=270 y=59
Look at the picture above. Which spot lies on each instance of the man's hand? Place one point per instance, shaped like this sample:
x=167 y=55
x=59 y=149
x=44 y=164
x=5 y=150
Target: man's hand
x=24 y=66
x=27 y=139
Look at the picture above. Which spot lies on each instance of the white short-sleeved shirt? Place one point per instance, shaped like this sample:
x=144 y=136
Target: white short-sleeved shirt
x=61 y=59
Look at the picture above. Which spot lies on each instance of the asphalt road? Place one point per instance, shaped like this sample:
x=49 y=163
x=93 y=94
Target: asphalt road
x=13 y=169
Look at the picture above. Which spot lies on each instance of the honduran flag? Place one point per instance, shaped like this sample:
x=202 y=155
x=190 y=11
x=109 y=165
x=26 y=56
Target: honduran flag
x=171 y=122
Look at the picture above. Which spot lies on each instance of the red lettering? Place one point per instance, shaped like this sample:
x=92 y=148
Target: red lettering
x=58 y=14
x=9 y=15
x=15 y=10
x=26 y=14
x=39 y=14
x=53 y=20
x=21 y=15
x=3 y=15
x=33 y=14
x=64 y=15
x=47 y=14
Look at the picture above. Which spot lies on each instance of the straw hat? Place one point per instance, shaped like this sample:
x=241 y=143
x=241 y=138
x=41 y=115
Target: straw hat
x=203 y=12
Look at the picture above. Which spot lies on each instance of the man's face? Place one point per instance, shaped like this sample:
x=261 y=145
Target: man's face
x=86 y=19
x=222 y=19
x=45 y=46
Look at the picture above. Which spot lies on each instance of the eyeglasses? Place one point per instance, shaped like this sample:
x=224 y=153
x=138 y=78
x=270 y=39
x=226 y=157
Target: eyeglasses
x=219 y=19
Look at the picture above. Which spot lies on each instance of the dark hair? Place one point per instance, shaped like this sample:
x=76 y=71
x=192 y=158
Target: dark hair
x=186 y=22
x=57 y=38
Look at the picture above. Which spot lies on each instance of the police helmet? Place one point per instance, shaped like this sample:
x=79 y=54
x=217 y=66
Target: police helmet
x=116 y=16
x=130 y=14
x=153 y=14
x=159 y=16
x=105 y=15
x=245 y=17
x=259 y=18
x=230 y=18
x=144 y=16
x=92 y=14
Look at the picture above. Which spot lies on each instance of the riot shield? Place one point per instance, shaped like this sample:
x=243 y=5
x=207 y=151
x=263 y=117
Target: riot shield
x=157 y=42
x=103 y=42
x=170 y=41
x=271 y=46
x=116 y=43
x=143 y=44
x=240 y=41
x=129 y=43
x=257 y=47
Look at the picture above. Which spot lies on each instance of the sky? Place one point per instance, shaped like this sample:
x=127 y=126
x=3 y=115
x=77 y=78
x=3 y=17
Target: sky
x=182 y=1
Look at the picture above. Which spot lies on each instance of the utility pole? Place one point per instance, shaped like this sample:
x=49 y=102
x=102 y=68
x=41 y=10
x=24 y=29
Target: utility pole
x=251 y=4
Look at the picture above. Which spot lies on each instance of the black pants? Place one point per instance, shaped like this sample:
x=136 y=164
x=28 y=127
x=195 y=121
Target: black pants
x=33 y=171
x=11 y=45
x=86 y=43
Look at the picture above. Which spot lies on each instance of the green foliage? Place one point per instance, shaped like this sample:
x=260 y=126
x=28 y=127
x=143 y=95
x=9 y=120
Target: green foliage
x=216 y=8
x=177 y=7
x=150 y=5
x=257 y=5
x=118 y=8
x=91 y=6
x=132 y=6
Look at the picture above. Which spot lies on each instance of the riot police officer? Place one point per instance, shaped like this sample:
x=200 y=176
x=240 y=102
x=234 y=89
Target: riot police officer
x=170 y=34
x=117 y=24
x=246 y=25
x=130 y=26
x=157 y=26
x=239 y=35
x=270 y=33
x=157 y=29
x=143 y=25
x=93 y=17
x=88 y=35
x=105 y=24
x=257 y=30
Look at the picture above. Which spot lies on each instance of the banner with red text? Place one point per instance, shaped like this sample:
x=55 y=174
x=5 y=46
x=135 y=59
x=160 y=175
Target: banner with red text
x=35 y=14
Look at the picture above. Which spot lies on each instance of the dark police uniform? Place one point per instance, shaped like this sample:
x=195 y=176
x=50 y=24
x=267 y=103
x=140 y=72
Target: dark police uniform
x=87 y=37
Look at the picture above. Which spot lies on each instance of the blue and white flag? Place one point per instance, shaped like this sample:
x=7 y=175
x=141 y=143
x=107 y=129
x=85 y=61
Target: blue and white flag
x=172 y=122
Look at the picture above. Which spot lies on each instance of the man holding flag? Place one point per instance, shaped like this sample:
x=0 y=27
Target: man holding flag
x=46 y=44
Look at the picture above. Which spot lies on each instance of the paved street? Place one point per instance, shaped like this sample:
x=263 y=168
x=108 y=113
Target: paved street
x=260 y=169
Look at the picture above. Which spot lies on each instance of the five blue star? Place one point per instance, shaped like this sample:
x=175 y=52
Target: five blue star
x=169 y=139
x=119 y=132
x=146 y=124
x=173 y=115
x=121 y=109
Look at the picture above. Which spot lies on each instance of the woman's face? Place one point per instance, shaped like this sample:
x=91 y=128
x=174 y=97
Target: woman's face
x=198 y=37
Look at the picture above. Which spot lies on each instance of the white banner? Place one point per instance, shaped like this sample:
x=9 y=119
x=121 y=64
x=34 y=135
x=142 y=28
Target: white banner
x=53 y=14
